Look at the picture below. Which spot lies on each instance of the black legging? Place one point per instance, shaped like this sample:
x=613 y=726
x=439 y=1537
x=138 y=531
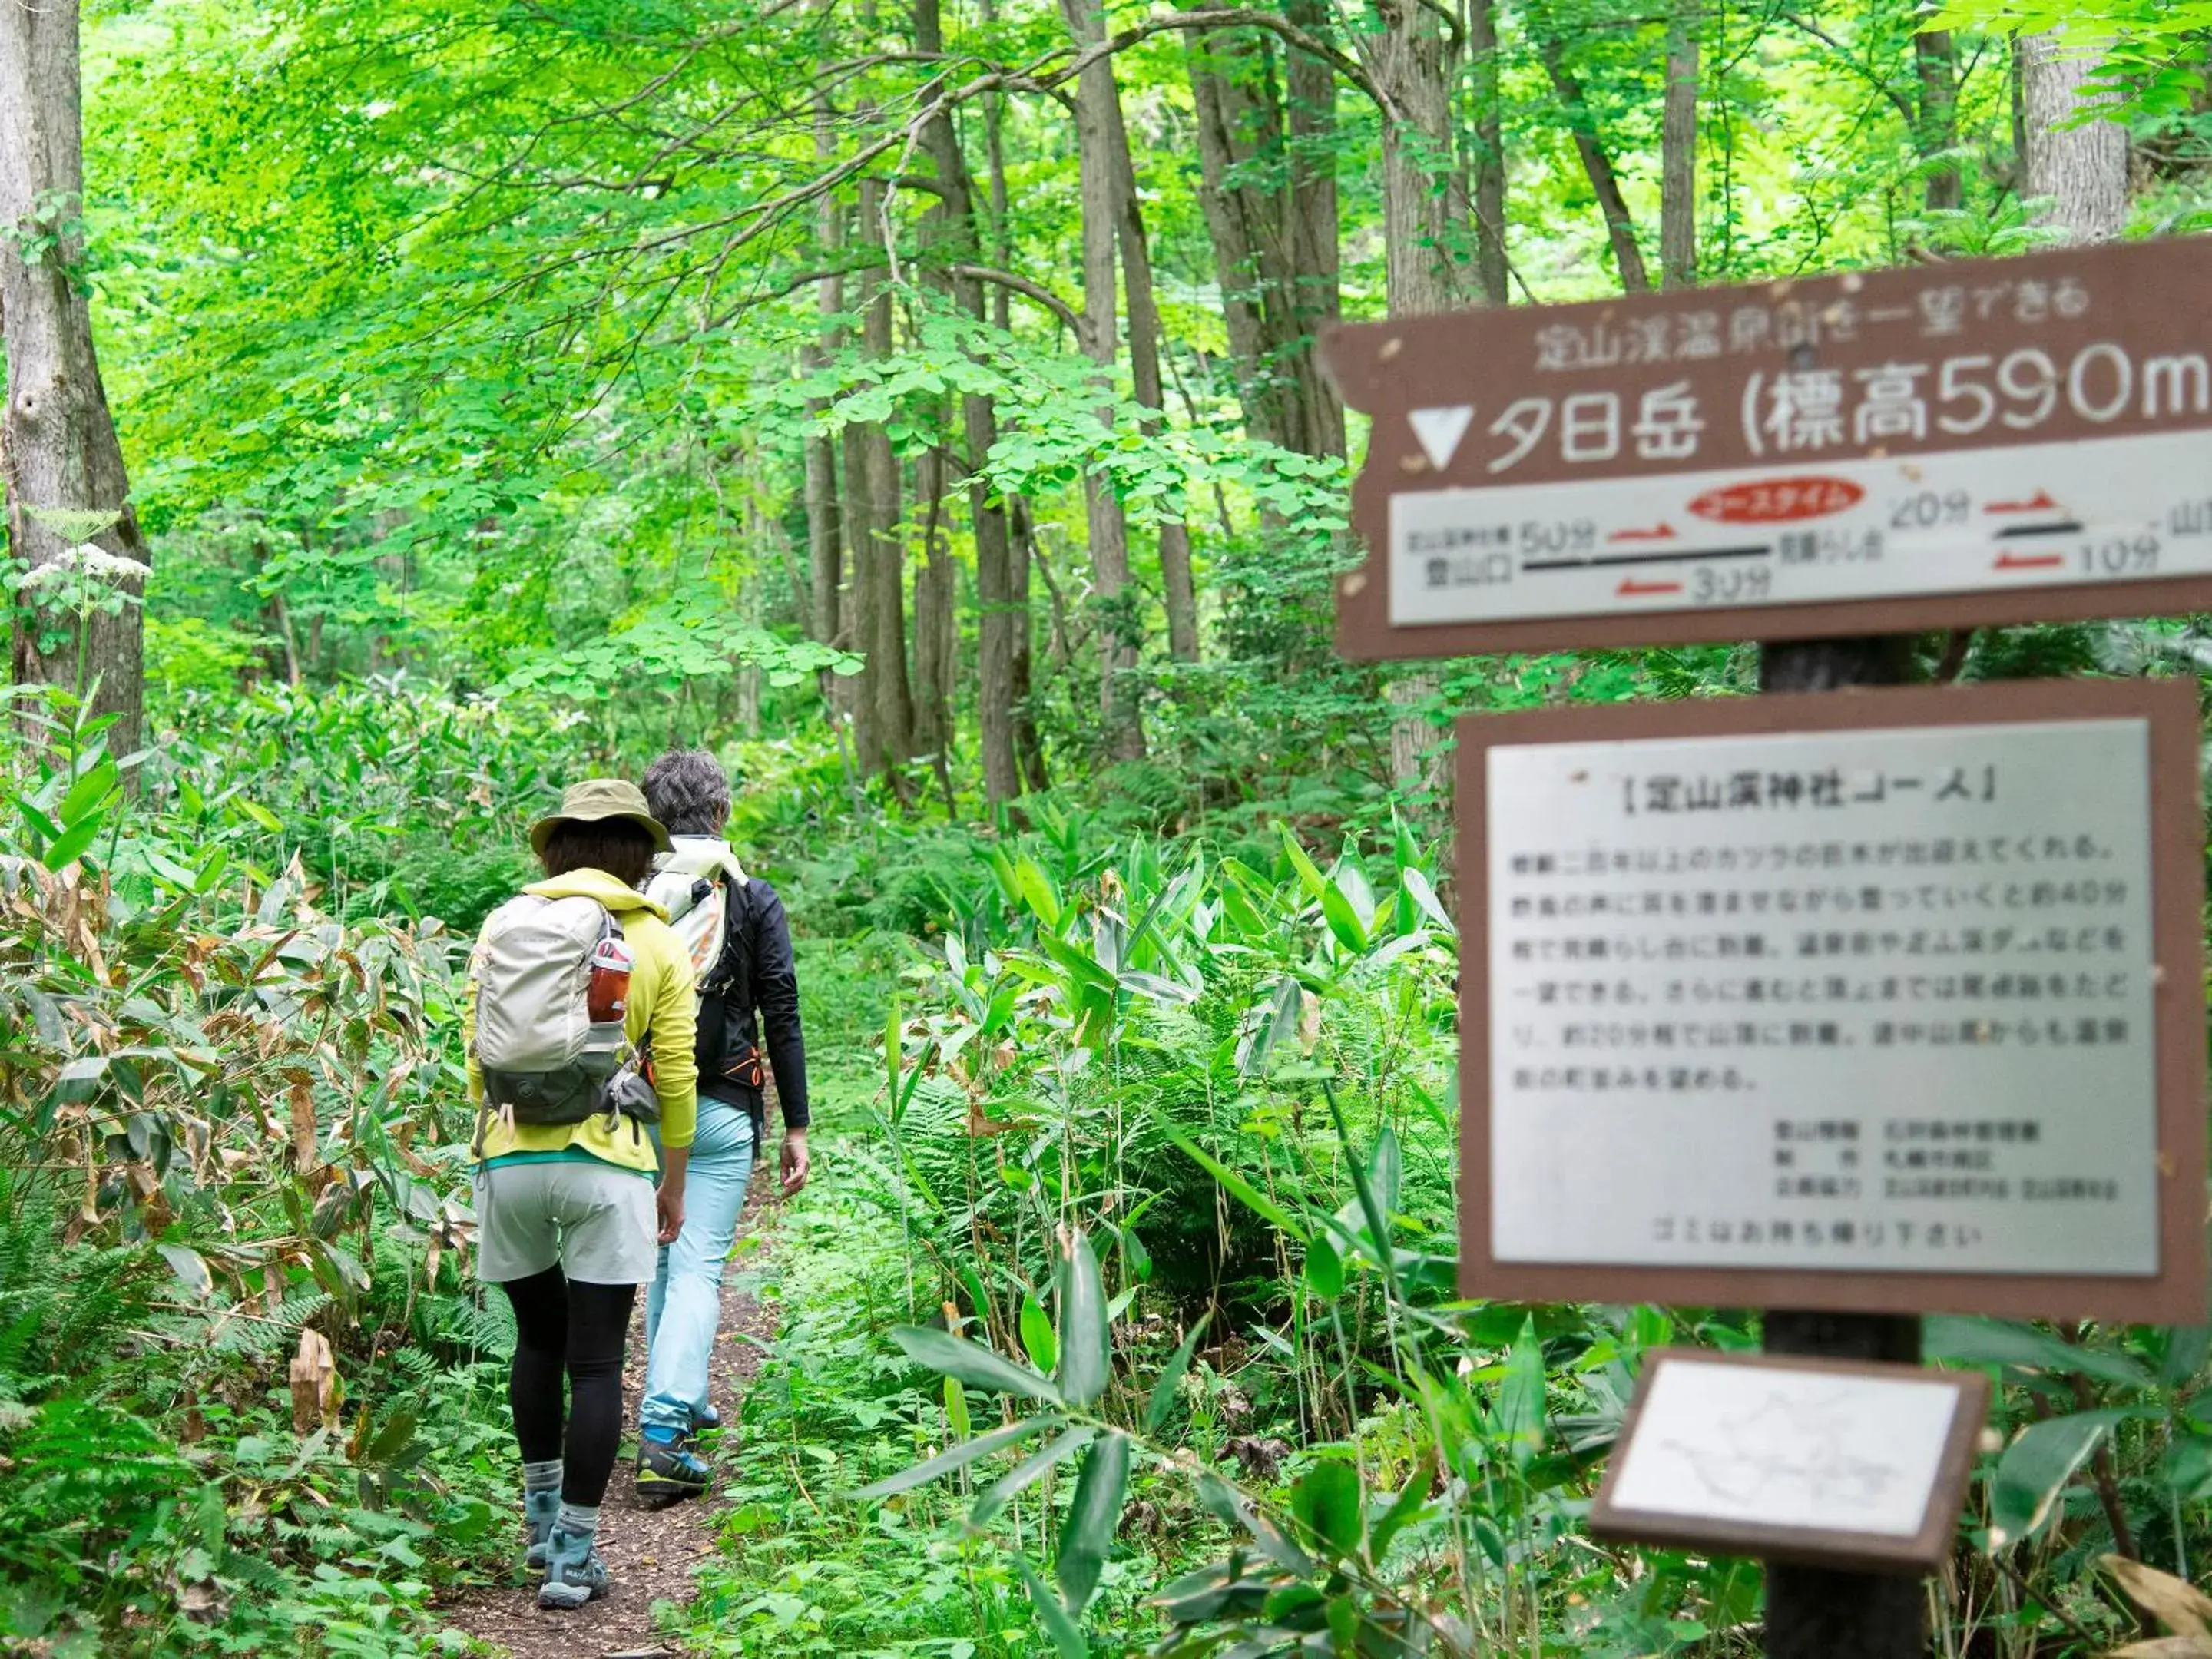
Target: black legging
x=563 y=1325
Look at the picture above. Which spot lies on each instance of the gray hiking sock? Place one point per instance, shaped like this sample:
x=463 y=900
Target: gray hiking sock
x=542 y=1477
x=579 y=1518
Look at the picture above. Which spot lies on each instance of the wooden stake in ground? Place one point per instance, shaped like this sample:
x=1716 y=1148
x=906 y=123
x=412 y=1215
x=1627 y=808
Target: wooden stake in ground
x=1819 y=1612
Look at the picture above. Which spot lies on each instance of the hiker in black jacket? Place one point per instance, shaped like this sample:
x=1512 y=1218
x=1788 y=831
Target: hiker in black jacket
x=748 y=1029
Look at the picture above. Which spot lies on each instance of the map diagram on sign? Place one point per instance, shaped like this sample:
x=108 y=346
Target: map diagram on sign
x=1771 y=1446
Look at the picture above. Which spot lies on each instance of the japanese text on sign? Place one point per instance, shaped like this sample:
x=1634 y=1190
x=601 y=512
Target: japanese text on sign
x=1850 y=999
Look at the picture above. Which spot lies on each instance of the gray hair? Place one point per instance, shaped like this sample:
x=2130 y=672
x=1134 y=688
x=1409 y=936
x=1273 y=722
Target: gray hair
x=688 y=793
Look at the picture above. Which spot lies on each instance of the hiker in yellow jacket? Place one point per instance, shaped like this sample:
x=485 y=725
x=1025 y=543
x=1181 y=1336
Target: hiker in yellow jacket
x=570 y=1216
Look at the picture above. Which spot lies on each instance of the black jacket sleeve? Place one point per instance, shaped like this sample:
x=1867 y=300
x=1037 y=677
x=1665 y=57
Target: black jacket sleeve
x=776 y=993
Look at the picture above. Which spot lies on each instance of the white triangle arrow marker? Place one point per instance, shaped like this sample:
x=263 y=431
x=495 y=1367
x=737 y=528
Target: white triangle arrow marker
x=1440 y=430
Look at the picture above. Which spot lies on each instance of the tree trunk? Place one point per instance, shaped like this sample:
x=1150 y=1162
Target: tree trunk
x=2082 y=169
x=1490 y=262
x=1678 y=151
x=1029 y=747
x=1234 y=225
x=884 y=728
x=1098 y=122
x=1420 y=238
x=1180 y=595
x=934 y=662
x=998 y=619
x=60 y=460
x=1316 y=234
x=824 y=552
x=1936 y=59
x=1582 y=121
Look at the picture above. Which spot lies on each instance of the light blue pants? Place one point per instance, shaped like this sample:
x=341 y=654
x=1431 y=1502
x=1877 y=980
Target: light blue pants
x=684 y=1307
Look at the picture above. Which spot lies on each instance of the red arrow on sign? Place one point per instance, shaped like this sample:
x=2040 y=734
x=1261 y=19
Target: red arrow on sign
x=2029 y=561
x=1630 y=588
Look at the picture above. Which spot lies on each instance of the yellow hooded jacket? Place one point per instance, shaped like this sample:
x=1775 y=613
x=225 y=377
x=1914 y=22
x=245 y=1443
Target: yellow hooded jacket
x=662 y=1021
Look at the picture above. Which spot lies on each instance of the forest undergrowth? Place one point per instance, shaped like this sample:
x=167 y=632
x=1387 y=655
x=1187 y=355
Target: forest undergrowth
x=1121 y=1314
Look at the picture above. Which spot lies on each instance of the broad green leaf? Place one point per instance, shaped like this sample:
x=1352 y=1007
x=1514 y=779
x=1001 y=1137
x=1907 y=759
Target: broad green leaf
x=1309 y=878
x=1067 y=1636
x=1085 y=1351
x=1404 y=1509
x=1998 y=1341
x=972 y=1363
x=190 y=1269
x=1424 y=895
x=1092 y=1519
x=87 y=793
x=1171 y=1377
x=1343 y=920
x=2035 y=1469
x=958 y=1457
x=1036 y=889
x=1521 y=1397
x=1037 y=1337
x=1327 y=1503
x=1324 y=1269
x=70 y=844
x=1028 y=1472
x=956 y=1407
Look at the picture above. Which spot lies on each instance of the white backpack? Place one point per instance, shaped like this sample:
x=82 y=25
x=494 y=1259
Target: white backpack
x=692 y=883
x=543 y=1060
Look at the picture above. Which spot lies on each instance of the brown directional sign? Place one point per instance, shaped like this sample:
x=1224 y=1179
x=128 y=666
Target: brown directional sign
x=1940 y=447
x=1825 y=1462
x=1880 y=1001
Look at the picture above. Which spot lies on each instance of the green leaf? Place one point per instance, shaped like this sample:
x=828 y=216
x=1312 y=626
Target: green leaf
x=1036 y=890
x=88 y=792
x=1424 y=895
x=1027 y=1473
x=972 y=1363
x=2002 y=1342
x=1521 y=1397
x=1171 y=1378
x=1343 y=920
x=1249 y=1195
x=70 y=845
x=1327 y=1505
x=1324 y=1269
x=1092 y=1520
x=1404 y=1509
x=2035 y=1469
x=956 y=1407
x=260 y=814
x=190 y=1269
x=1085 y=1351
x=1036 y=1334
x=1065 y=1637
x=1308 y=877
x=958 y=1457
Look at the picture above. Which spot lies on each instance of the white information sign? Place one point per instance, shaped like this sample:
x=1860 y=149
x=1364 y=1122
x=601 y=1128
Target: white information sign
x=2036 y=515
x=1771 y=1446
x=1844 y=1000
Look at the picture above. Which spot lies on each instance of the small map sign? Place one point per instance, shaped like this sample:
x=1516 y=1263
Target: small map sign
x=1887 y=1001
x=1829 y=1463
x=1947 y=446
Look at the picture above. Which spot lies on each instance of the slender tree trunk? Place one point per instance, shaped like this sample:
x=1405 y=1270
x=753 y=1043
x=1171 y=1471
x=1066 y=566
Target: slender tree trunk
x=824 y=552
x=1230 y=210
x=1315 y=233
x=1490 y=261
x=2082 y=169
x=1936 y=59
x=936 y=661
x=1582 y=121
x=1029 y=746
x=885 y=731
x=1420 y=237
x=1678 y=147
x=1097 y=120
x=60 y=460
x=998 y=620
x=1175 y=582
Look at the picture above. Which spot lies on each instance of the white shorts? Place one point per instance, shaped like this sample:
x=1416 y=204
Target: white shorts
x=596 y=1221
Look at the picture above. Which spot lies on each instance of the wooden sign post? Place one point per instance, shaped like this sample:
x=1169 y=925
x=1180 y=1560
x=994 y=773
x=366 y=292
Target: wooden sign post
x=1763 y=1004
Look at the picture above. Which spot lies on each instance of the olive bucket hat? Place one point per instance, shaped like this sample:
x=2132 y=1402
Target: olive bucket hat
x=595 y=799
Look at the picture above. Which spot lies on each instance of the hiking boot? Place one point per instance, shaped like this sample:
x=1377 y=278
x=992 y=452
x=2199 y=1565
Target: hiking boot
x=540 y=1511
x=573 y=1572
x=668 y=1471
x=703 y=1418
